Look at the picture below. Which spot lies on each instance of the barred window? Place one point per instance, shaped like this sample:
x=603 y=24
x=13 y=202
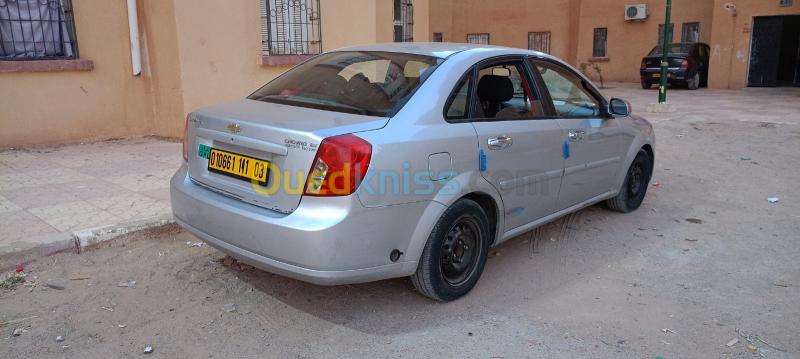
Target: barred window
x=539 y=41
x=482 y=39
x=403 y=21
x=438 y=37
x=37 y=29
x=661 y=33
x=691 y=32
x=599 y=49
x=290 y=27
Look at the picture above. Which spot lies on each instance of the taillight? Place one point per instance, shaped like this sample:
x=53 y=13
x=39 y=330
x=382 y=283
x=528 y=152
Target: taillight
x=186 y=139
x=644 y=64
x=685 y=64
x=339 y=166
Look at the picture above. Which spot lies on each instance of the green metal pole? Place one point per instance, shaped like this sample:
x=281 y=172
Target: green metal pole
x=662 y=88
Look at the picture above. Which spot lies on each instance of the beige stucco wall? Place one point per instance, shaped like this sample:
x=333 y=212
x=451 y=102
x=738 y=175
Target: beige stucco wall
x=195 y=53
x=730 y=39
x=629 y=41
x=60 y=107
x=571 y=24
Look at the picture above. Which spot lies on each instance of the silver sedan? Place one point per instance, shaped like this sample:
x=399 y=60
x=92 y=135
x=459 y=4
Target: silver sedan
x=407 y=159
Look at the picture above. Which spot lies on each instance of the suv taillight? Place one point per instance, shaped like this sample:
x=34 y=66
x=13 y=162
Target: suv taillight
x=644 y=64
x=685 y=64
x=186 y=139
x=339 y=166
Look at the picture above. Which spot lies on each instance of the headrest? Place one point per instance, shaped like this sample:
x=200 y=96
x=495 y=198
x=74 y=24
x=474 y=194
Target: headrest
x=495 y=88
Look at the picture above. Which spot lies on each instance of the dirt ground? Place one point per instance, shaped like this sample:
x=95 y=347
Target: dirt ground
x=705 y=256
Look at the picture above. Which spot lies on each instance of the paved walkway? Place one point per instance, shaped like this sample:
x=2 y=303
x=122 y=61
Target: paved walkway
x=48 y=194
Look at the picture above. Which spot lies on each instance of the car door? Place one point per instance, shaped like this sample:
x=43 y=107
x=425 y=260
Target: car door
x=520 y=149
x=592 y=141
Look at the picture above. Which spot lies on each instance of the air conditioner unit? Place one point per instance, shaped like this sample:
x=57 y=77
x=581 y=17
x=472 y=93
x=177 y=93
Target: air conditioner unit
x=635 y=12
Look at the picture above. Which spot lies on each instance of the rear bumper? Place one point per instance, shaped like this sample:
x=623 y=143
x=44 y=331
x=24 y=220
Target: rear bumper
x=326 y=241
x=674 y=75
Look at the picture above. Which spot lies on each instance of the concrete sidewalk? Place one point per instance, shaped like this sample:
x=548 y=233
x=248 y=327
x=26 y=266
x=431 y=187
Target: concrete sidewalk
x=52 y=197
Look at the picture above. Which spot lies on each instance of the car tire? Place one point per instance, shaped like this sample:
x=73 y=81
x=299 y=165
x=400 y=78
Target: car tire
x=443 y=273
x=633 y=190
x=694 y=82
x=646 y=84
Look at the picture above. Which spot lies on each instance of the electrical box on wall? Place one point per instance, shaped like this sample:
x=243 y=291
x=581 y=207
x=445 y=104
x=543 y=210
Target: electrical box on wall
x=636 y=12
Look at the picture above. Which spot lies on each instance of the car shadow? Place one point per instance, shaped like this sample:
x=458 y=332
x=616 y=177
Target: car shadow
x=518 y=270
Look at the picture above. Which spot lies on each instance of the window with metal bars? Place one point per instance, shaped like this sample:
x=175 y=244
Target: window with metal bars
x=691 y=32
x=403 y=21
x=599 y=49
x=438 y=37
x=482 y=39
x=661 y=33
x=539 y=41
x=290 y=27
x=37 y=29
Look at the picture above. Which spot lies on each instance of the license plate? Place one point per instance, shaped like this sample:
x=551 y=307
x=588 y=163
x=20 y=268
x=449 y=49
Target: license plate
x=656 y=75
x=236 y=165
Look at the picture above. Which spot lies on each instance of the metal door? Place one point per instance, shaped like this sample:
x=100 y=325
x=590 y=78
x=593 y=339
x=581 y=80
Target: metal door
x=765 y=48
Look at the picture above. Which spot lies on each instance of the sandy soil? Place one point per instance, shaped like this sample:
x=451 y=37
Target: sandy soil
x=596 y=284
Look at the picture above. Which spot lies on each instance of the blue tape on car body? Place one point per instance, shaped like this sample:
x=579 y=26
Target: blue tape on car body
x=566 y=149
x=482 y=160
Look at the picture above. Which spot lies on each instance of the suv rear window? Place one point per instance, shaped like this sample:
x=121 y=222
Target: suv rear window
x=367 y=83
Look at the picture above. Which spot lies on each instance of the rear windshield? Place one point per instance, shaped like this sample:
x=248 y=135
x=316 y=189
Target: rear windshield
x=674 y=49
x=367 y=83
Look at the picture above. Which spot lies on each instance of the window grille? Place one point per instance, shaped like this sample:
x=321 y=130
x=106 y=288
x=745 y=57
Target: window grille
x=599 y=49
x=438 y=37
x=403 y=21
x=482 y=39
x=691 y=32
x=37 y=29
x=290 y=27
x=661 y=33
x=539 y=41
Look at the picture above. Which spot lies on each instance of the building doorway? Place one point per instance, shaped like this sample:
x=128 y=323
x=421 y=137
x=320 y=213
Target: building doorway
x=775 y=51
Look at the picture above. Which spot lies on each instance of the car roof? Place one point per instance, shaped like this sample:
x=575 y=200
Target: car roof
x=436 y=49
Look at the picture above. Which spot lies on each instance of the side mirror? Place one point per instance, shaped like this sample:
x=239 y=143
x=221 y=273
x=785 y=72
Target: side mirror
x=619 y=107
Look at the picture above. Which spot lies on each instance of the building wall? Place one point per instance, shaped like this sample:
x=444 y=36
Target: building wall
x=194 y=53
x=572 y=24
x=58 y=107
x=629 y=41
x=730 y=39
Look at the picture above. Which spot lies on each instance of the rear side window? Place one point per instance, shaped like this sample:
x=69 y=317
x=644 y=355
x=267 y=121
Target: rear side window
x=458 y=107
x=569 y=96
x=367 y=83
x=504 y=93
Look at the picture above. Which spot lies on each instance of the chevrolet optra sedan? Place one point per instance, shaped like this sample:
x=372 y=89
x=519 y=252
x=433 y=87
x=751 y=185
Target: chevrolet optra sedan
x=393 y=160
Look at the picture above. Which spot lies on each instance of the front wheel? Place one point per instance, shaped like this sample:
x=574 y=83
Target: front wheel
x=455 y=254
x=634 y=188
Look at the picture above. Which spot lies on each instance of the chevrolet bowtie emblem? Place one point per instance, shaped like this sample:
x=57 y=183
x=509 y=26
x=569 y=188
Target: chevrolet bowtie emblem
x=234 y=128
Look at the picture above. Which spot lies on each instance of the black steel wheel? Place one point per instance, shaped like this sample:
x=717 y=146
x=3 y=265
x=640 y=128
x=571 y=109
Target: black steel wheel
x=634 y=188
x=454 y=256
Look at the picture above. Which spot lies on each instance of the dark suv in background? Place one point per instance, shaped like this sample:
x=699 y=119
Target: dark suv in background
x=688 y=65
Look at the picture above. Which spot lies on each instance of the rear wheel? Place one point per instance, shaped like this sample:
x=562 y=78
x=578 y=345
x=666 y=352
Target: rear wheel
x=634 y=188
x=455 y=254
x=646 y=84
x=694 y=82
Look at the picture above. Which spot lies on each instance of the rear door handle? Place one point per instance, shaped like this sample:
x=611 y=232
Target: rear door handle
x=499 y=142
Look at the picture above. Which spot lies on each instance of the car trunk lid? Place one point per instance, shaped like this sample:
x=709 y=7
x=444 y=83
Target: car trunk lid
x=285 y=136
